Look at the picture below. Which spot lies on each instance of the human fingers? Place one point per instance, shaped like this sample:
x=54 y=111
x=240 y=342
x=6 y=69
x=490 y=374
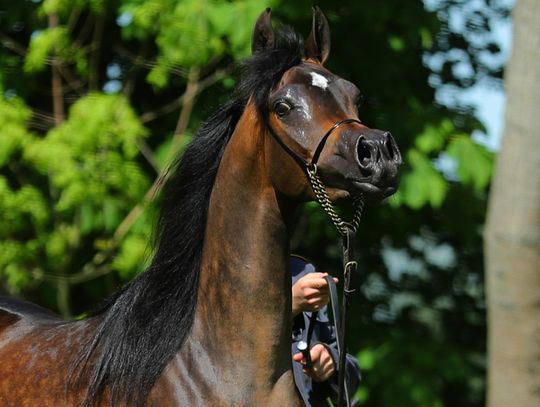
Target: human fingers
x=316 y=303
x=323 y=365
x=312 y=286
x=315 y=292
x=321 y=357
x=324 y=374
x=316 y=283
x=314 y=275
x=318 y=373
x=298 y=357
x=316 y=351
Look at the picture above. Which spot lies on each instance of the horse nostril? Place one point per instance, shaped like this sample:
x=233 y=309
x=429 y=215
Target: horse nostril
x=389 y=145
x=391 y=148
x=364 y=156
x=363 y=151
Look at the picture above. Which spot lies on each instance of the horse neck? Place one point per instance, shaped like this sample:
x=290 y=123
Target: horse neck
x=244 y=300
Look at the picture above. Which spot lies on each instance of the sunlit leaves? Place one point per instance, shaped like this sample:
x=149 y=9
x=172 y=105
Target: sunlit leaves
x=434 y=137
x=64 y=7
x=23 y=213
x=13 y=117
x=53 y=42
x=91 y=155
x=474 y=162
x=422 y=184
x=60 y=241
x=132 y=256
x=192 y=33
x=20 y=209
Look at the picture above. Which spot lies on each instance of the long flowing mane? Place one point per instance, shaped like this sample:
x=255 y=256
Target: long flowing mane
x=144 y=325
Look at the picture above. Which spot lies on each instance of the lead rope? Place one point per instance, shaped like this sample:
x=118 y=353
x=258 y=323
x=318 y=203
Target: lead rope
x=348 y=232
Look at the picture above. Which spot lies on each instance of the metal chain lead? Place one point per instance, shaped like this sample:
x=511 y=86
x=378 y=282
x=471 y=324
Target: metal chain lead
x=324 y=201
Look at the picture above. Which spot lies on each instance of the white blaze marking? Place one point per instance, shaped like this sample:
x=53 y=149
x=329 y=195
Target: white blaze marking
x=319 y=80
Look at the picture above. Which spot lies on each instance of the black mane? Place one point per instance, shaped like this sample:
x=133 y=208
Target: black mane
x=145 y=324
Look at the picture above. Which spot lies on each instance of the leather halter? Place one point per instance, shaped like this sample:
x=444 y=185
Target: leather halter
x=304 y=164
x=349 y=264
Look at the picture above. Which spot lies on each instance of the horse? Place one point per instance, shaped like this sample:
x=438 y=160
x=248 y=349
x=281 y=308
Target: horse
x=209 y=322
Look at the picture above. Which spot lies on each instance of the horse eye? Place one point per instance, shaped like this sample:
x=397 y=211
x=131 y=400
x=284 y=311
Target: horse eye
x=282 y=108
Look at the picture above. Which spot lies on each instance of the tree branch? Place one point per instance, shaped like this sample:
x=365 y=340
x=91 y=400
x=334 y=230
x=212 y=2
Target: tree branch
x=129 y=83
x=95 y=49
x=175 y=104
x=138 y=60
x=13 y=45
x=57 y=91
x=192 y=90
x=73 y=18
x=147 y=153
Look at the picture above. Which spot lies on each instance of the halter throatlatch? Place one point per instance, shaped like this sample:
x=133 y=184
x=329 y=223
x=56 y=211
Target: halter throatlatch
x=348 y=232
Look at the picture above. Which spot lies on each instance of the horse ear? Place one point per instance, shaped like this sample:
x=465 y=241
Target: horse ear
x=318 y=43
x=263 y=34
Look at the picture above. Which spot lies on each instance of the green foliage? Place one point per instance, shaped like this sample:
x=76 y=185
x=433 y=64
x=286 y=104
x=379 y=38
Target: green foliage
x=475 y=162
x=422 y=185
x=433 y=138
x=74 y=190
x=13 y=117
x=191 y=32
x=132 y=257
x=53 y=41
x=64 y=7
x=91 y=155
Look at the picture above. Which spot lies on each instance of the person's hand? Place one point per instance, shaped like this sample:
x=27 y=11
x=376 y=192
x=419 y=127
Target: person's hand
x=323 y=364
x=310 y=293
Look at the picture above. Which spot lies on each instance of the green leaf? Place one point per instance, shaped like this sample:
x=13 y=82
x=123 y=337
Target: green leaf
x=111 y=214
x=86 y=218
x=14 y=135
x=64 y=7
x=44 y=44
x=93 y=153
x=433 y=137
x=422 y=184
x=132 y=256
x=396 y=43
x=474 y=162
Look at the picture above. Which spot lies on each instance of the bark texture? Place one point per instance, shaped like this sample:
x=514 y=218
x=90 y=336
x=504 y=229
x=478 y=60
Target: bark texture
x=512 y=240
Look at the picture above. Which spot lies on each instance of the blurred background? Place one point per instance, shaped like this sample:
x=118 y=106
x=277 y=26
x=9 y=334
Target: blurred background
x=96 y=96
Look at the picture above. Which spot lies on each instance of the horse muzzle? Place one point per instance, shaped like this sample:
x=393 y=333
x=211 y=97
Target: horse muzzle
x=364 y=162
x=378 y=159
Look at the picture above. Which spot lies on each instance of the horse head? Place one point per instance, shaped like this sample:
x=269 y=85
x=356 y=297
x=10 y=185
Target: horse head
x=312 y=114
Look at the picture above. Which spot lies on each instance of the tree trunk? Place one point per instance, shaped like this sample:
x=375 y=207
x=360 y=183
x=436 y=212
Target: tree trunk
x=512 y=240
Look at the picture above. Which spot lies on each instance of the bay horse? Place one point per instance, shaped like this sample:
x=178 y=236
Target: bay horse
x=209 y=322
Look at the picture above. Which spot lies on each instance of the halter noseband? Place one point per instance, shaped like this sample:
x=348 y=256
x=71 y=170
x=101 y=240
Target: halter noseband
x=305 y=165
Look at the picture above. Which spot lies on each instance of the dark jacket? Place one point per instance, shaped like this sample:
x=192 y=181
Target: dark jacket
x=313 y=393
